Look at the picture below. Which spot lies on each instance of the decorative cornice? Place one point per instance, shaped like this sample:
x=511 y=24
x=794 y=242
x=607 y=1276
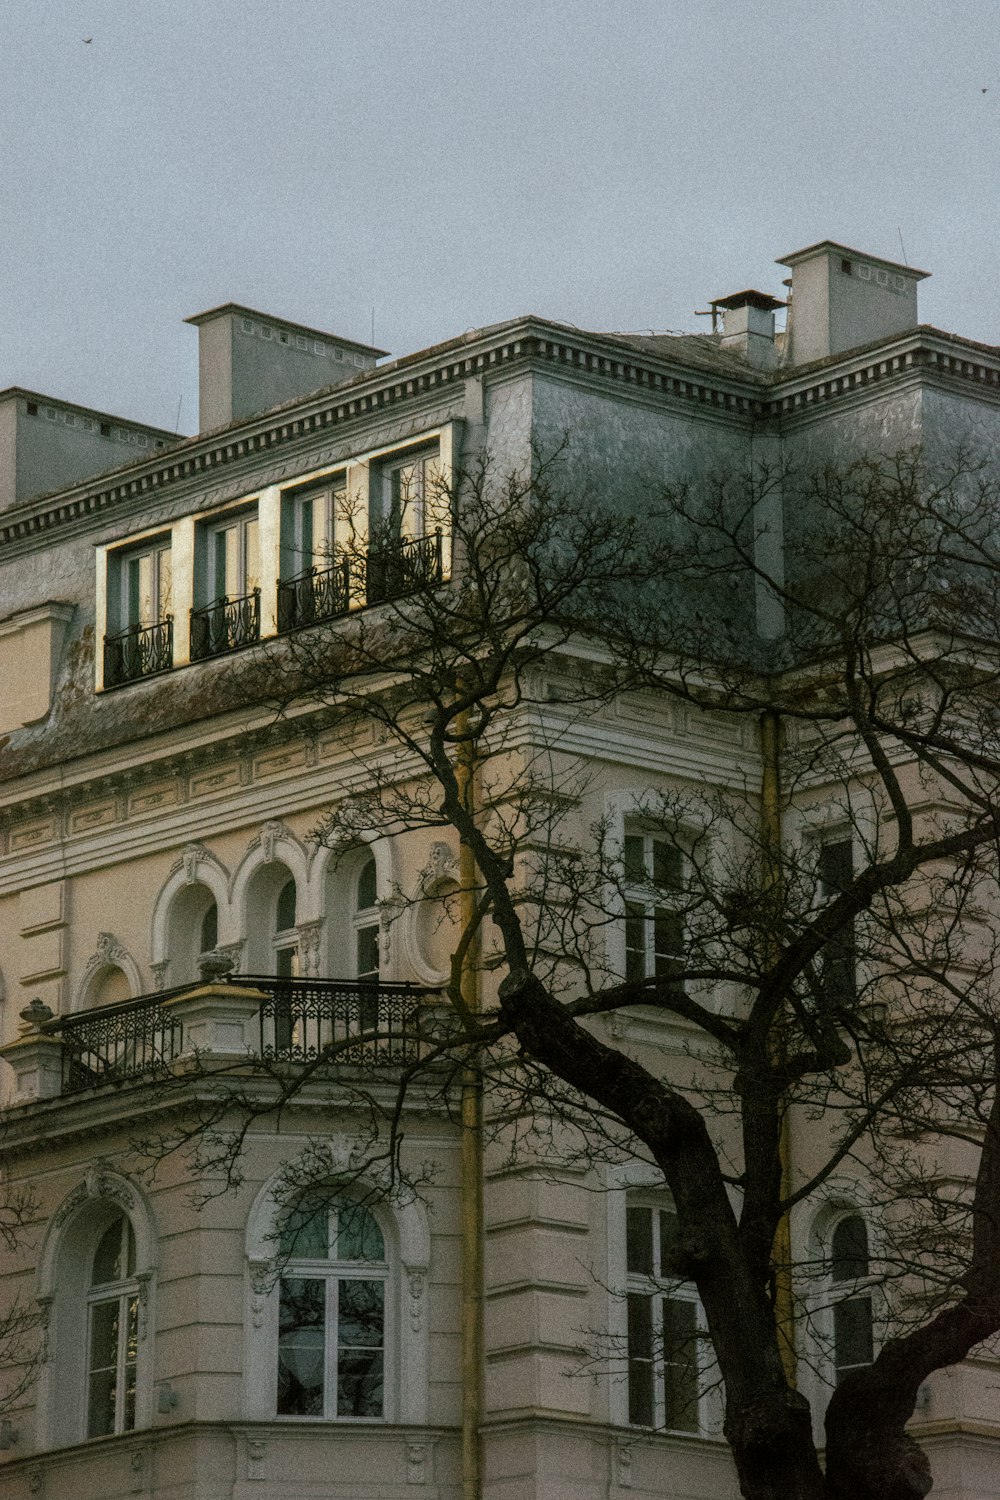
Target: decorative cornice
x=656 y=375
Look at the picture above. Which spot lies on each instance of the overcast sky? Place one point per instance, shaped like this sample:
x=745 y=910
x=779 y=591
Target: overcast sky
x=609 y=163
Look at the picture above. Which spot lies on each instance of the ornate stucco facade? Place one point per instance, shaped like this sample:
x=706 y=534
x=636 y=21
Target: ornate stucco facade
x=149 y=813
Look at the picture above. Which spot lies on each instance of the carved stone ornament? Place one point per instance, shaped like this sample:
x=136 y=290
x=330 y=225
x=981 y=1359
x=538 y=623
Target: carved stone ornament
x=442 y=865
x=44 y=1327
x=624 y=1457
x=416 y=1463
x=98 y=1183
x=309 y=935
x=214 y=966
x=233 y=952
x=256 y=1457
x=109 y=950
x=416 y=1287
x=262 y=1278
x=191 y=857
x=160 y=972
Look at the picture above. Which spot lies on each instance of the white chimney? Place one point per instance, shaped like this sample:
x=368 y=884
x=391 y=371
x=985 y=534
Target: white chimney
x=842 y=299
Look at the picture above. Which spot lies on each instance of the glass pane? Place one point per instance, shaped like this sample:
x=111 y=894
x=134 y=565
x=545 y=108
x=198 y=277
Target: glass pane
x=680 y=1365
x=361 y=1315
x=104 y=1335
x=358 y=1235
x=287 y=963
x=639 y=1240
x=668 y=1239
x=635 y=868
x=131 y=1356
x=836 y=867
x=668 y=934
x=852 y=1335
x=640 y=1360
x=133 y=591
x=165 y=602
x=360 y=1325
x=306 y=538
x=849 y=1249
x=360 y=1384
x=635 y=941
x=224 y=561
x=367 y=886
x=306 y=1233
x=301 y=1347
x=368 y=953
x=101 y=1403
x=251 y=555
x=667 y=866
x=114 y=1258
x=286 y=907
x=209 y=928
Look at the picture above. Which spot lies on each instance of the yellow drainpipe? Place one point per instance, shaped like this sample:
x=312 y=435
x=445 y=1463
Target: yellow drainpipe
x=472 y=1164
x=770 y=838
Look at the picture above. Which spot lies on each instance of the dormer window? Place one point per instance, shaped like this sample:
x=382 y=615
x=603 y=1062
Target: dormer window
x=139 y=642
x=229 y=578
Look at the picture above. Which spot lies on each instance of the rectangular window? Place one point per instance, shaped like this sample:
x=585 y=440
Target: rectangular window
x=316 y=581
x=228 y=617
x=139 y=642
x=839 y=960
x=666 y=1336
x=654 y=930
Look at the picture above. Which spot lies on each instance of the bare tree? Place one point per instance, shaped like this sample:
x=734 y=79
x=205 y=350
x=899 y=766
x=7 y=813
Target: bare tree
x=843 y=1002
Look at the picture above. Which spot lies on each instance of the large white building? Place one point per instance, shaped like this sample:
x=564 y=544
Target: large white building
x=149 y=815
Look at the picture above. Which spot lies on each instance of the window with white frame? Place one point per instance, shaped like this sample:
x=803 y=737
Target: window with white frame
x=333 y=1309
x=405 y=493
x=654 y=927
x=309 y=524
x=316 y=582
x=669 y=1354
x=227 y=615
x=286 y=938
x=838 y=964
x=112 y=1332
x=852 y=1341
x=139 y=638
x=366 y=923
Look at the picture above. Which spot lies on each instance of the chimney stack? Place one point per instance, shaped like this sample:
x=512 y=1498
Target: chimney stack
x=842 y=299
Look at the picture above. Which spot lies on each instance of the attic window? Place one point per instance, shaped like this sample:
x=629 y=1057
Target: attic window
x=32 y=408
x=105 y=429
x=845 y=266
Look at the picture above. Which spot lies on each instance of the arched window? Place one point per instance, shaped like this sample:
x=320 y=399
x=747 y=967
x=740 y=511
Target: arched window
x=96 y=1277
x=112 y=1332
x=853 y=1342
x=366 y=923
x=192 y=929
x=332 y=1311
x=668 y=1348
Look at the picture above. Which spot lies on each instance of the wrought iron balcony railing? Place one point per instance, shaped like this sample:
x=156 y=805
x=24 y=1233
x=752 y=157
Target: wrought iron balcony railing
x=138 y=651
x=393 y=569
x=358 y=1023
x=116 y=1043
x=389 y=570
x=318 y=594
x=225 y=625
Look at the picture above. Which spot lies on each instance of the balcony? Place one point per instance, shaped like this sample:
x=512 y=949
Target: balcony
x=138 y=651
x=387 y=571
x=243 y=1018
x=225 y=625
